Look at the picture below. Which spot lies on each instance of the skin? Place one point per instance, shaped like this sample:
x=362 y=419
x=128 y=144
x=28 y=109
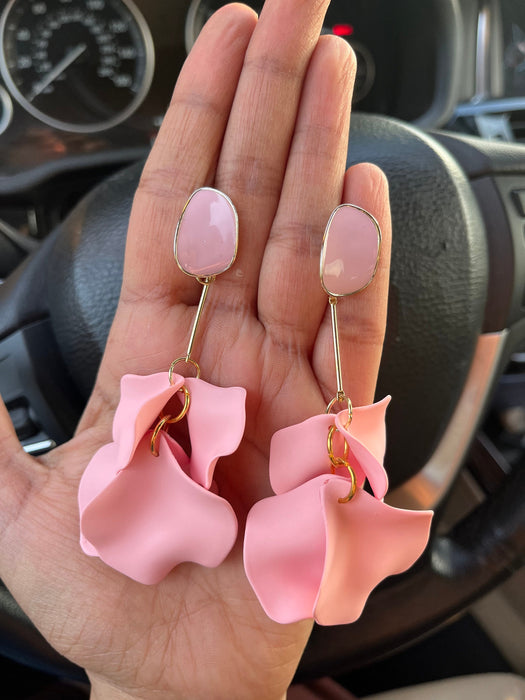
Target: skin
x=261 y=111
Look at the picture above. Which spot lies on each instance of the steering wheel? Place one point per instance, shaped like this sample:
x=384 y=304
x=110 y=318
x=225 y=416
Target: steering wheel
x=456 y=313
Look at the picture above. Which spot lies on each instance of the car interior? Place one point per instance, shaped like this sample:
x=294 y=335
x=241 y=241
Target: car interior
x=439 y=105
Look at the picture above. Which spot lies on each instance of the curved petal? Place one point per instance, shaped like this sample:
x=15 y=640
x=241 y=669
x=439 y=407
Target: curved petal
x=142 y=398
x=299 y=453
x=99 y=473
x=367 y=541
x=216 y=420
x=152 y=516
x=366 y=438
x=103 y=468
x=284 y=551
x=87 y=547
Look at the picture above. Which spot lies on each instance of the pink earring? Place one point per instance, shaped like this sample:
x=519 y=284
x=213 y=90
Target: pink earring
x=320 y=545
x=145 y=506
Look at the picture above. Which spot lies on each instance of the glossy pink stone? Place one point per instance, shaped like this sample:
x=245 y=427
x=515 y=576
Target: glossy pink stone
x=206 y=235
x=350 y=250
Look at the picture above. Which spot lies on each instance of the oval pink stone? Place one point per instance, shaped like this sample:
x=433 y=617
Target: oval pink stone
x=350 y=250
x=206 y=235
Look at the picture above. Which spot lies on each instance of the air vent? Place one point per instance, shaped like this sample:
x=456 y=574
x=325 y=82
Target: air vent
x=517 y=122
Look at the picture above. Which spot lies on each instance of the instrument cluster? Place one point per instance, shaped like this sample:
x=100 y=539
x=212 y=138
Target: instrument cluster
x=85 y=83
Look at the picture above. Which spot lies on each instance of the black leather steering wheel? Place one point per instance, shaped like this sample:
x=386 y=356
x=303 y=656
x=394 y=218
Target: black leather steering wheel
x=456 y=312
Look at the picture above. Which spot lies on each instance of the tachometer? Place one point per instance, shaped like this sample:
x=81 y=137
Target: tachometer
x=200 y=11
x=336 y=22
x=77 y=65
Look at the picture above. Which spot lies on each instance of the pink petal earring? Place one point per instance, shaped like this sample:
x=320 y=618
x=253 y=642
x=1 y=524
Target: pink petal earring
x=320 y=545
x=145 y=505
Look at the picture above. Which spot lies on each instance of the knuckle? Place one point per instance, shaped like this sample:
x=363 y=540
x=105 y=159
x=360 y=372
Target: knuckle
x=251 y=175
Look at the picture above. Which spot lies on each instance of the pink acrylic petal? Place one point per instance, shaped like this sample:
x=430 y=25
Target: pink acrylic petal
x=142 y=398
x=299 y=453
x=366 y=438
x=153 y=516
x=99 y=473
x=216 y=420
x=103 y=468
x=87 y=547
x=368 y=426
x=367 y=541
x=284 y=551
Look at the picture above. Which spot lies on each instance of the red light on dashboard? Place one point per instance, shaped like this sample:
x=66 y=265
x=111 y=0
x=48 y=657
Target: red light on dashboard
x=342 y=29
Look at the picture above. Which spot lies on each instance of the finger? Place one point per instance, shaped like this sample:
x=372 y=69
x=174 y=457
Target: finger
x=256 y=145
x=184 y=155
x=362 y=316
x=183 y=158
x=291 y=301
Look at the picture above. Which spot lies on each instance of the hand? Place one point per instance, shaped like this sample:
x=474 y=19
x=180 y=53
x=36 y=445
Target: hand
x=260 y=111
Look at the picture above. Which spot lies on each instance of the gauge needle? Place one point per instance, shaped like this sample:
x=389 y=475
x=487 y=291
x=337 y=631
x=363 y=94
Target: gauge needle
x=53 y=74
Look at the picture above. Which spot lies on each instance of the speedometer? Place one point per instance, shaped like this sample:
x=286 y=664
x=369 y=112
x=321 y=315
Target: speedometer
x=77 y=65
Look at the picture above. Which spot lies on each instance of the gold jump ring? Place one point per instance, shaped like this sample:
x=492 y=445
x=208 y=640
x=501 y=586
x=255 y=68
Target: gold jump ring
x=187 y=360
x=336 y=461
x=165 y=420
x=341 y=462
x=160 y=425
x=185 y=407
x=353 y=486
x=340 y=398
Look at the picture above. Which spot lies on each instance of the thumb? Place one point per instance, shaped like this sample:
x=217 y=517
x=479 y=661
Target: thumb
x=17 y=474
x=8 y=439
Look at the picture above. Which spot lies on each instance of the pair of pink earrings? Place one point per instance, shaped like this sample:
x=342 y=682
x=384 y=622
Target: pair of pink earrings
x=319 y=545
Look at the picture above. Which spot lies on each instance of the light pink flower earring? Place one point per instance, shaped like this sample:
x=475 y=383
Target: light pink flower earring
x=320 y=545
x=145 y=505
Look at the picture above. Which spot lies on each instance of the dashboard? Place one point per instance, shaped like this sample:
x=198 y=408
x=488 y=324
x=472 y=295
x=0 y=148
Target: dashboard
x=81 y=78
x=84 y=84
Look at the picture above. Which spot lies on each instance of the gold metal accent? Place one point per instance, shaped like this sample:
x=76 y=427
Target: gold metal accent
x=166 y=420
x=205 y=281
x=188 y=360
x=184 y=408
x=337 y=462
x=160 y=425
x=342 y=399
x=337 y=351
x=353 y=487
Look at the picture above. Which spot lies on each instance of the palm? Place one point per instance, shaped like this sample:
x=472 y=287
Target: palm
x=265 y=328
